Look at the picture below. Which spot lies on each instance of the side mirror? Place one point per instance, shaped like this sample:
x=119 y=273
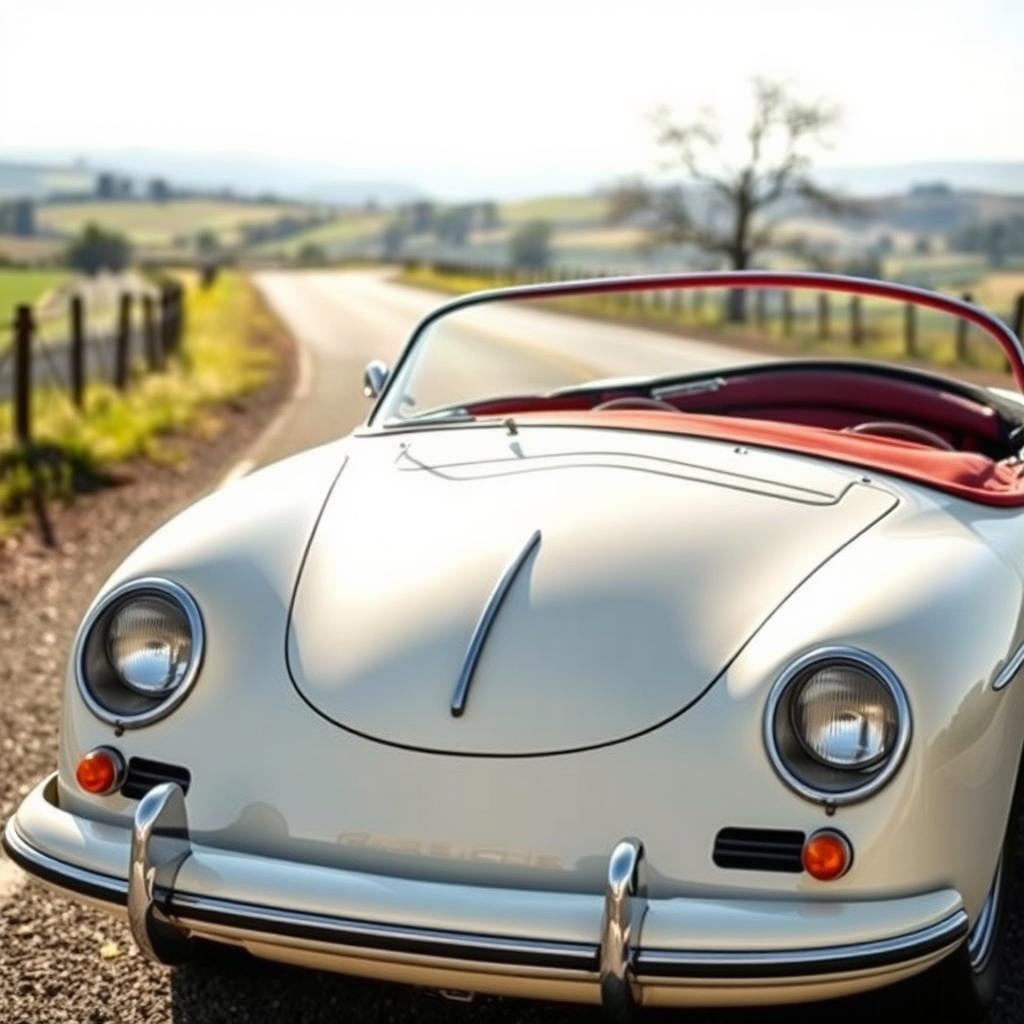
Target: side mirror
x=375 y=376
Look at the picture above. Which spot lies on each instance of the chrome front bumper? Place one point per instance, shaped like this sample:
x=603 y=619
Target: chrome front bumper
x=616 y=967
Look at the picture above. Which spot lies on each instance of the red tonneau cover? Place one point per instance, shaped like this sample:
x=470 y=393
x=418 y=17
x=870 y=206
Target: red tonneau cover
x=963 y=474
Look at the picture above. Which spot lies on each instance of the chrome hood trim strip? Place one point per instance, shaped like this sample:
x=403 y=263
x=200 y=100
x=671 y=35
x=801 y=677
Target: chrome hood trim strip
x=1008 y=672
x=486 y=620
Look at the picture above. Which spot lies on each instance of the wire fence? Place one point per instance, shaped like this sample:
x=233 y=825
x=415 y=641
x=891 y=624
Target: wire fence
x=66 y=345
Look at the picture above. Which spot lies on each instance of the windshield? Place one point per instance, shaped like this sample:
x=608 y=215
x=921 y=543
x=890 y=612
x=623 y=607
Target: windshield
x=532 y=344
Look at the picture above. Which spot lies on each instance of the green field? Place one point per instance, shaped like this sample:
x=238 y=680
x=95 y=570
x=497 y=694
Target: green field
x=337 y=237
x=35 y=250
x=559 y=210
x=998 y=290
x=160 y=224
x=18 y=286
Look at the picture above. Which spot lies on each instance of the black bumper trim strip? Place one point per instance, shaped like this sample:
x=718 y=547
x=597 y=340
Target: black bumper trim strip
x=387 y=938
x=83 y=881
x=791 y=963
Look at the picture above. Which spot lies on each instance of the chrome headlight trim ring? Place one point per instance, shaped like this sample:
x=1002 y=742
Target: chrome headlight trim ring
x=161 y=587
x=794 y=673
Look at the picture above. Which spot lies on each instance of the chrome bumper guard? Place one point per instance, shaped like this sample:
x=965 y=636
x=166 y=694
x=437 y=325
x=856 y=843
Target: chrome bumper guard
x=160 y=844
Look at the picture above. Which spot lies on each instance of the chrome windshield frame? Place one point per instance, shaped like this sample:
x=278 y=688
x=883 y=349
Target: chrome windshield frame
x=754 y=279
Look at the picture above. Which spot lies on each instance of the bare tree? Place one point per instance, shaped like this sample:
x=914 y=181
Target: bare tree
x=723 y=206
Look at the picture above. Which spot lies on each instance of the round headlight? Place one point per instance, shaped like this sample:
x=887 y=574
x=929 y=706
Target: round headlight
x=837 y=725
x=845 y=717
x=139 y=652
x=149 y=644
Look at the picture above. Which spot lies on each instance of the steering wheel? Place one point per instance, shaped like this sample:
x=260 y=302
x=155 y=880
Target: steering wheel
x=636 y=402
x=902 y=432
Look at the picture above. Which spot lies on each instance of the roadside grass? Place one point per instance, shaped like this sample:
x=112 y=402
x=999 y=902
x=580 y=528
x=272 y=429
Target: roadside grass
x=74 y=451
x=882 y=335
x=17 y=286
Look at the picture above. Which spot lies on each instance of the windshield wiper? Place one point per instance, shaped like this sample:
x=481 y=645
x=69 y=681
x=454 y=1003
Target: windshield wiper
x=661 y=386
x=461 y=413
x=693 y=387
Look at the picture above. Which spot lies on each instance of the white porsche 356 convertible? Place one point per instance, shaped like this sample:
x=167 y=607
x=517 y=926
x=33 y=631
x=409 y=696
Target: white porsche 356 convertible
x=587 y=670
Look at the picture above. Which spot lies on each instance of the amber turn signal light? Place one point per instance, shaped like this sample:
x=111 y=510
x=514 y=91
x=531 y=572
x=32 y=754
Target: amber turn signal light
x=827 y=855
x=101 y=771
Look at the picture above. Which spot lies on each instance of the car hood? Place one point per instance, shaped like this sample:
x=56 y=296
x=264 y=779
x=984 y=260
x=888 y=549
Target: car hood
x=657 y=560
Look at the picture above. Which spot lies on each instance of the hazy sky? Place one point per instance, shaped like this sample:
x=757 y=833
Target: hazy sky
x=467 y=97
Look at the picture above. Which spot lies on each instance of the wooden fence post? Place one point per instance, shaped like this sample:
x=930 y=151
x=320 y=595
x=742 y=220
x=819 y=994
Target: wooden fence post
x=787 y=313
x=856 y=321
x=179 y=316
x=24 y=330
x=760 y=307
x=910 y=328
x=961 y=332
x=824 y=325
x=149 y=332
x=76 y=352
x=1018 y=317
x=123 y=341
x=165 y=321
x=168 y=319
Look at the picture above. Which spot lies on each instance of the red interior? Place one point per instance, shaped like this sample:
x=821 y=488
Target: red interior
x=805 y=410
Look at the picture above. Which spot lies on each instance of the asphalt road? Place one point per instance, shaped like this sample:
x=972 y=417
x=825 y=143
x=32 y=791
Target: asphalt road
x=70 y=964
